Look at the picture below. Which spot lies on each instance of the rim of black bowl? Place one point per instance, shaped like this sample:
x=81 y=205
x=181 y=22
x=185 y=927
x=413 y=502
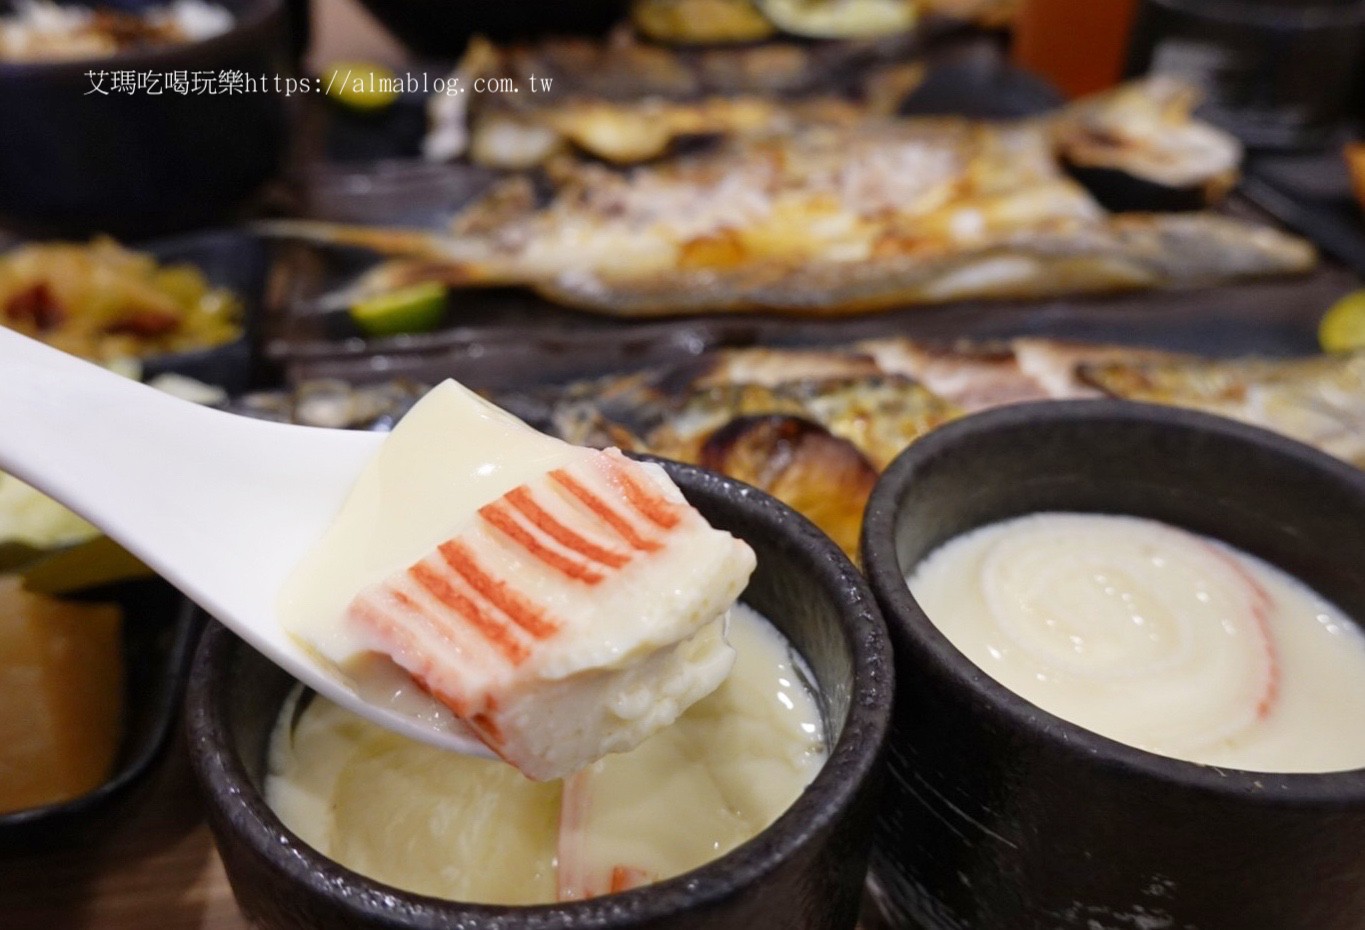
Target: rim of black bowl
x=900 y=609
x=254 y=15
x=849 y=765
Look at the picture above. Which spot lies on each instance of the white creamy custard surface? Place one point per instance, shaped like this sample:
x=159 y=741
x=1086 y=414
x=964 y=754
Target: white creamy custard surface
x=562 y=602
x=475 y=830
x=1155 y=637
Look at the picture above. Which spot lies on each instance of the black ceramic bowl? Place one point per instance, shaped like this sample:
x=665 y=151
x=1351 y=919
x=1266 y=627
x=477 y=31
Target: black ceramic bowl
x=442 y=27
x=239 y=261
x=1277 y=73
x=77 y=160
x=1004 y=817
x=805 y=871
x=160 y=629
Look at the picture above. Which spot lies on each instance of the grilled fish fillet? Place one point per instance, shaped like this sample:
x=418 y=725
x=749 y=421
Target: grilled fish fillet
x=1319 y=401
x=814 y=427
x=825 y=219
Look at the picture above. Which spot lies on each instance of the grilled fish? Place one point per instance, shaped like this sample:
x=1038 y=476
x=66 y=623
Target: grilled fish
x=1319 y=401
x=826 y=219
x=811 y=426
x=628 y=101
x=815 y=426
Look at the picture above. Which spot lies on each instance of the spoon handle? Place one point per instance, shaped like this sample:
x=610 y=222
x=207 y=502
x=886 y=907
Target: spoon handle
x=221 y=506
x=200 y=495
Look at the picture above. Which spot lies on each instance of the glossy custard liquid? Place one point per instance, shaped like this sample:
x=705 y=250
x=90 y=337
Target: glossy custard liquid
x=474 y=830
x=1155 y=637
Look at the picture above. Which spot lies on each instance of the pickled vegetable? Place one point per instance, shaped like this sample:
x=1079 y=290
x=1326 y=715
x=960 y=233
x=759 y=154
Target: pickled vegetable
x=104 y=302
x=61 y=687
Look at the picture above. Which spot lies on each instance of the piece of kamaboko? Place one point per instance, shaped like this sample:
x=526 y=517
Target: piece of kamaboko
x=564 y=602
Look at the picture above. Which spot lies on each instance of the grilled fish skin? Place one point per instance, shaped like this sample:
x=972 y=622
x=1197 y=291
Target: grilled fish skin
x=824 y=477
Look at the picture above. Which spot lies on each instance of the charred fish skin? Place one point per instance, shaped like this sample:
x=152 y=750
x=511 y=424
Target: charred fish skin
x=823 y=476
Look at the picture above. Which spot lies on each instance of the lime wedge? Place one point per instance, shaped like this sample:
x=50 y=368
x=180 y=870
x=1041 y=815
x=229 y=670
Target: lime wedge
x=841 y=19
x=361 y=85
x=1343 y=327
x=416 y=309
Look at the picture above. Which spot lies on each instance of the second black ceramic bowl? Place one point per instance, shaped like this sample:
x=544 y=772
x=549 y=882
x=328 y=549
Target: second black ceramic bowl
x=442 y=27
x=805 y=871
x=147 y=141
x=1003 y=817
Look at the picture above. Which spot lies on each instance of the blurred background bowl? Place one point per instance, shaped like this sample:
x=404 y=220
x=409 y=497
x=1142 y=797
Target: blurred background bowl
x=440 y=28
x=1001 y=816
x=76 y=161
x=805 y=872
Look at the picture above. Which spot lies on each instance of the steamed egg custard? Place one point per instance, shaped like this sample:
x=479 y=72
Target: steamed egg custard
x=476 y=830
x=1155 y=637
x=563 y=602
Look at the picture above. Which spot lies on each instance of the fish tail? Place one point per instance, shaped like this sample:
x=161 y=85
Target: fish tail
x=384 y=240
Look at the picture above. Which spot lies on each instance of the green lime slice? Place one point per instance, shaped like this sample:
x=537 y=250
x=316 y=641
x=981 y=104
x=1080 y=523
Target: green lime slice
x=1343 y=327
x=416 y=309
x=361 y=85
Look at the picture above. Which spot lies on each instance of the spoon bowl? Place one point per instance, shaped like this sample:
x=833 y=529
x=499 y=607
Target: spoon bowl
x=221 y=506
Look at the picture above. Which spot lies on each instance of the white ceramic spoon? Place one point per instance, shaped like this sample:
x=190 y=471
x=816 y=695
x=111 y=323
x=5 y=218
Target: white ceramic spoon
x=221 y=506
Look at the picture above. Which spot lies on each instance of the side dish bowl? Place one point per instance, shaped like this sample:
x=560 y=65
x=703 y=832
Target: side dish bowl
x=1002 y=816
x=160 y=629
x=441 y=28
x=112 y=144
x=805 y=871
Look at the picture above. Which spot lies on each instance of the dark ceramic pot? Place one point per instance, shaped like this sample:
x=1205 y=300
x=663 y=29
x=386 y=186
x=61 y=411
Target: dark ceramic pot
x=78 y=160
x=1277 y=73
x=805 y=871
x=440 y=28
x=1003 y=817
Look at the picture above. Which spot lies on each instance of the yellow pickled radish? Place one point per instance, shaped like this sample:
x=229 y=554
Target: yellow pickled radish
x=361 y=85
x=414 y=309
x=61 y=687
x=1342 y=328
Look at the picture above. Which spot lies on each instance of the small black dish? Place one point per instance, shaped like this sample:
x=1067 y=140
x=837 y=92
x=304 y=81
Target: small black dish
x=240 y=262
x=160 y=630
x=441 y=28
x=1280 y=74
x=81 y=157
x=1003 y=817
x=805 y=871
